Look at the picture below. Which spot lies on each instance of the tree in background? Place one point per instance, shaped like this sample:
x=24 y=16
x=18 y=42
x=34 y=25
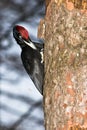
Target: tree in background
x=14 y=98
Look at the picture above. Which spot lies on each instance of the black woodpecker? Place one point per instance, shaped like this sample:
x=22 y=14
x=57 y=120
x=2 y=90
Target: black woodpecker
x=31 y=55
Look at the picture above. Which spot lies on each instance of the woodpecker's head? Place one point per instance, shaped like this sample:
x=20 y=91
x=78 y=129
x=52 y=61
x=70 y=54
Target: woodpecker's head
x=21 y=35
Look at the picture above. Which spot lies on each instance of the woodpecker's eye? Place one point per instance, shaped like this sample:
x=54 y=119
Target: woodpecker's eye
x=20 y=36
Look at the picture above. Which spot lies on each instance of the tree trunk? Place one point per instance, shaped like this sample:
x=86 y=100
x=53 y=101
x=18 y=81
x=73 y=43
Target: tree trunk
x=65 y=57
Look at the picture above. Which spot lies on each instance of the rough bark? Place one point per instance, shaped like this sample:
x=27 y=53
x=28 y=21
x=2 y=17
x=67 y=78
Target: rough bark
x=65 y=57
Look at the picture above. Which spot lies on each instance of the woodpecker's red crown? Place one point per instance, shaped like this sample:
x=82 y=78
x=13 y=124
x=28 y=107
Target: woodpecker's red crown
x=24 y=33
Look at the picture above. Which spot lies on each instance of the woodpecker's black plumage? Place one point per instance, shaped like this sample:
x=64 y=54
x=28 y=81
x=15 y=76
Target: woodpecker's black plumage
x=31 y=55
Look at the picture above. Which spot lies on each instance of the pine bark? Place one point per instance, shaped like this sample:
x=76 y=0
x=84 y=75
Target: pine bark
x=65 y=58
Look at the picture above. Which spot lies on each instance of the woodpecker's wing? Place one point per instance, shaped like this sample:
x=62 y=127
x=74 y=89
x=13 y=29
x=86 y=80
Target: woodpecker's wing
x=31 y=61
x=37 y=76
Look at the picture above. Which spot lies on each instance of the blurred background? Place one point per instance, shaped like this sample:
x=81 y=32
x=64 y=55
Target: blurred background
x=21 y=105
